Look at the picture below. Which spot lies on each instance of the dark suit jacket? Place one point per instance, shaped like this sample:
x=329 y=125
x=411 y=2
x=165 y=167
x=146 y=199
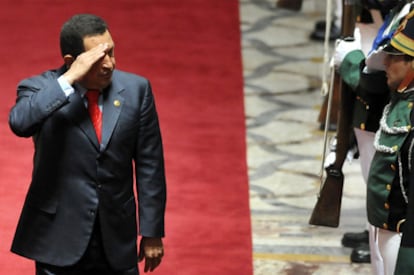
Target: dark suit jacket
x=74 y=177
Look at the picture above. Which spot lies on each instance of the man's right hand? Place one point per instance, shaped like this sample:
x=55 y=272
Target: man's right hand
x=84 y=62
x=375 y=60
x=343 y=47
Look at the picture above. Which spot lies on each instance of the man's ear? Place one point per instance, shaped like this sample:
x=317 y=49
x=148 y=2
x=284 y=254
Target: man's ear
x=68 y=59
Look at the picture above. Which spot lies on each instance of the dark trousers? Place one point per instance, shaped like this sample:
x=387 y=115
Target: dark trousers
x=93 y=262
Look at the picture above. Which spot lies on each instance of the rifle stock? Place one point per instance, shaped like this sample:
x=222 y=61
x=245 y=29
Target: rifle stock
x=327 y=209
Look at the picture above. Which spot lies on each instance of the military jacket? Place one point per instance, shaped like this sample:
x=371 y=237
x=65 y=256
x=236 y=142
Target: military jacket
x=387 y=174
x=370 y=91
x=390 y=204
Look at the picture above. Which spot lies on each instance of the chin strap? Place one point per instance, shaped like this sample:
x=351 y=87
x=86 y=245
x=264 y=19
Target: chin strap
x=409 y=77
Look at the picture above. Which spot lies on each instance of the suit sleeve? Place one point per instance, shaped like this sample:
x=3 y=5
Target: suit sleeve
x=151 y=185
x=37 y=99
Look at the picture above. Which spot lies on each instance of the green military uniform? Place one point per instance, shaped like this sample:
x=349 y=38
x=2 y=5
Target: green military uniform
x=390 y=204
x=387 y=163
x=371 y=92
x=389 y=179
x=385 y=203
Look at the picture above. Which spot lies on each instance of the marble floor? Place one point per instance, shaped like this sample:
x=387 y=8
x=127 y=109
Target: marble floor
x=283 y=78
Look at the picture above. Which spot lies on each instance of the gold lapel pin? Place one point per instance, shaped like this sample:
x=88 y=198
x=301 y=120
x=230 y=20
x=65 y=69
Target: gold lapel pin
x=117 y=103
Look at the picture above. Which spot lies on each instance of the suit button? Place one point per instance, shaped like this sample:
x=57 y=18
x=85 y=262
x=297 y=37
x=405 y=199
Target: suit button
x=388 y=187
x=385 y=226
x=392 y=167
x=386 y=206
x=92 y=212
x=99 y=186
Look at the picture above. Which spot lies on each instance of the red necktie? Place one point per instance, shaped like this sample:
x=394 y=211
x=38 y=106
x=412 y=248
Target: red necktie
x=94 y=111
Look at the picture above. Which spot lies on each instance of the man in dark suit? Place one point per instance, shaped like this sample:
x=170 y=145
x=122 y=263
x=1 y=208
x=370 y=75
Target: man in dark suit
x=79 y=216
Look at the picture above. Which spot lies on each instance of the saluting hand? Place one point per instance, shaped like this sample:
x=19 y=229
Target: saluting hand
x=84 y=62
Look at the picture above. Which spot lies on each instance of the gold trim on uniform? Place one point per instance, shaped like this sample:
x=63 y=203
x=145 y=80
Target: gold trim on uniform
x=400 y=42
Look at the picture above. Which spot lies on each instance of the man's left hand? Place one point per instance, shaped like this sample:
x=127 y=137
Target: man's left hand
x=152 y=250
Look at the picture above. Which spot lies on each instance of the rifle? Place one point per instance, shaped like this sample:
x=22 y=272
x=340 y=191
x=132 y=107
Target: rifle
x=328 y=206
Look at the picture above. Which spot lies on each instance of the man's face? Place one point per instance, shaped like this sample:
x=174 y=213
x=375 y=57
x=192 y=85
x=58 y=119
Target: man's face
x=396 y=68
x=100 y=75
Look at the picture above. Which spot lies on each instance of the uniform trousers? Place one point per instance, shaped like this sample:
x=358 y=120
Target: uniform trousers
x=365 y=140
x=384 y=244
x=93 y=262
x=389 y=244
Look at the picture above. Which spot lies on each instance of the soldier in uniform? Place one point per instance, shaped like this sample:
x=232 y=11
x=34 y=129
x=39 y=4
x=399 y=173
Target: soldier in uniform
x=390 y=192
x=365 y=74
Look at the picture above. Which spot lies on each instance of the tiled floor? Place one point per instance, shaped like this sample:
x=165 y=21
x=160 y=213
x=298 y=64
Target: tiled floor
x=283 y=73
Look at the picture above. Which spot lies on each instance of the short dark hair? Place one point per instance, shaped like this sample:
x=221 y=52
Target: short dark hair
x=76 y=29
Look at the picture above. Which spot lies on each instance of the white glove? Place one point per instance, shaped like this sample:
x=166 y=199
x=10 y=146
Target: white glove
x=343 y=47
x=330 y=159
x=375 y=60
x=350 y=155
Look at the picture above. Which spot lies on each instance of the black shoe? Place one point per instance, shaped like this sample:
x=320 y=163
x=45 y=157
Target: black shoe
x=354 y=240
x=361 y=254
x=319 y=32
x=320 y=25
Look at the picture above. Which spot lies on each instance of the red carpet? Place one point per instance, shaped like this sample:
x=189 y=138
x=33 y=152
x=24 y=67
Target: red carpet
x=190 y=50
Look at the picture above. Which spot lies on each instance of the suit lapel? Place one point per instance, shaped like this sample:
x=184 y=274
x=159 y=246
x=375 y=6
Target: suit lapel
x=112 y=105
x=77 y=112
